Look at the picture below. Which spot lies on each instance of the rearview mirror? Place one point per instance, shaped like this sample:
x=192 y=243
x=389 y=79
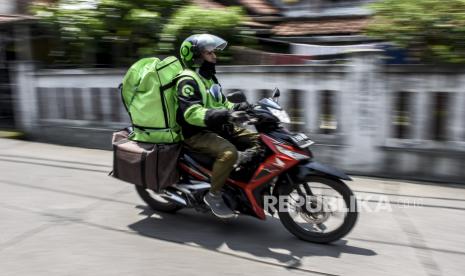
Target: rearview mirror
x=276 y=94
x=236 y=97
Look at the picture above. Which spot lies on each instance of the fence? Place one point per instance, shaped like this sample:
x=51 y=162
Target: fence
x=366 y=117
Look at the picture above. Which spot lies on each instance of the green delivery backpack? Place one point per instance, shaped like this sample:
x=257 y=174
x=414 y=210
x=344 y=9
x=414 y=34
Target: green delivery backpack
x=149 y=95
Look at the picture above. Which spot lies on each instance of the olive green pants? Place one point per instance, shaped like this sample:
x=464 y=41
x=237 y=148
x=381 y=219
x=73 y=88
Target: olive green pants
x=224 y=151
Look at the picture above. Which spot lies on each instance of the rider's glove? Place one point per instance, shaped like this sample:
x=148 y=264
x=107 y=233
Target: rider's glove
x=239 y=117
x=214 y=118
x=241 y=106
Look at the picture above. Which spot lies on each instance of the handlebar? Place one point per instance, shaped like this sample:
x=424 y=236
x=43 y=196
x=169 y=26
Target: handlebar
x=244 y=117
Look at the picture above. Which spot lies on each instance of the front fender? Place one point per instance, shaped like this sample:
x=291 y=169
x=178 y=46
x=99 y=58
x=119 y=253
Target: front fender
x=303 y=171
x=309 y=168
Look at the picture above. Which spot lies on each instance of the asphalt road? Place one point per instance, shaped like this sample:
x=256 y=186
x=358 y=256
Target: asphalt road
x=60 y=214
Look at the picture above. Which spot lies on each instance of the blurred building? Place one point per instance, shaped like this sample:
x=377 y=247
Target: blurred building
x=12 y=18
x=313 y=30
x=367 y=117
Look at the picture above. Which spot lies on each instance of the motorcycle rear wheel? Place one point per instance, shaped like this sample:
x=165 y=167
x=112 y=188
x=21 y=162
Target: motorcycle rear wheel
x=316 y=220
x=156 y=202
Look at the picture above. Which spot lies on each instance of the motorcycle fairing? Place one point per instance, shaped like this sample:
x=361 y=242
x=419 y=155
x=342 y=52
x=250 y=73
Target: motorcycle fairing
x=273 y=166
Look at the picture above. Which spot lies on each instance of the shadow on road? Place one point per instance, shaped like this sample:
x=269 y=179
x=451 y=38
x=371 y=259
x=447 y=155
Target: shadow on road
x=262 y=239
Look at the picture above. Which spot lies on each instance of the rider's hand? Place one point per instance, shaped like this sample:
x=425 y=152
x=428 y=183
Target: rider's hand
x=216 y=117
x=241 y=106
x=239 y=117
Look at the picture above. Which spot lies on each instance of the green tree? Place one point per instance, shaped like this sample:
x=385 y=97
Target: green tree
x=117 y=32
x=432 y=30
x=106 y=31
x=132 y=28
x=192 y=19
x=73 y=28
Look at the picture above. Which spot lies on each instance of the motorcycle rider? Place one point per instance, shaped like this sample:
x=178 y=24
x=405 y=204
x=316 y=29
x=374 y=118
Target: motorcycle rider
x=204 y=114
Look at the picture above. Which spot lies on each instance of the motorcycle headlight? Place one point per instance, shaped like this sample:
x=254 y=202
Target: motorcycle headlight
x=281 y=115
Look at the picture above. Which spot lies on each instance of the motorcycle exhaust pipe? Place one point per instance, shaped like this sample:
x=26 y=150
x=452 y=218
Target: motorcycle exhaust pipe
x=175 y=198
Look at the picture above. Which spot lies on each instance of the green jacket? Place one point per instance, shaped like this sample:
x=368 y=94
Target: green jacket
x=198 y=108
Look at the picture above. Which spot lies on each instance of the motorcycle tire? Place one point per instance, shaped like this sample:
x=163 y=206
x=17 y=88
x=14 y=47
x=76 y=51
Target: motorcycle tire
x=157 y=205
x=347 y=225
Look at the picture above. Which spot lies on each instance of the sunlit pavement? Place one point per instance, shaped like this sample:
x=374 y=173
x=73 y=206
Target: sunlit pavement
x=61 y=214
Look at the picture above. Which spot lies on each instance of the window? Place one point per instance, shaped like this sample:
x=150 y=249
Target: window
x=78 y=105
x=116 y=102
x=440 y=116
x=43 y=98
x=295 y=109
x=97 y=104
x=327 y=118
x=401 y=115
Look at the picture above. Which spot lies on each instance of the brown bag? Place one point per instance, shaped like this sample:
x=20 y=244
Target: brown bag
x=151 y=166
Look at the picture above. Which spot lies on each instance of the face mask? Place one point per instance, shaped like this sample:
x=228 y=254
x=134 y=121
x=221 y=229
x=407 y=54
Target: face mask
x=207 y=69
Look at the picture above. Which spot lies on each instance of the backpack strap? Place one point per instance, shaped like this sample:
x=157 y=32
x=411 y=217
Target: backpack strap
x=120 y=89
x=173 y=82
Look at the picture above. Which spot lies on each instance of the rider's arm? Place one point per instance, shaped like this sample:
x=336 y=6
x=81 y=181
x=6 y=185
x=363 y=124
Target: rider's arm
x=192 y=106
x=229 y=105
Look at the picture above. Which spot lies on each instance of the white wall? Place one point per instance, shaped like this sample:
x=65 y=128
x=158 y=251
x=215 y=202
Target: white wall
x=364 y=92
x=7 y=6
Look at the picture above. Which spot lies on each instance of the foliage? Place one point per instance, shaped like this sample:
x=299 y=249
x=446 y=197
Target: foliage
x=194 y=20
x=117 y=32
x=432 y=30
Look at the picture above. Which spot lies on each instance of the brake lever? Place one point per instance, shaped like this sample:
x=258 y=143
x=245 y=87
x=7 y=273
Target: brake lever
x=251 y=108
x=252 y=121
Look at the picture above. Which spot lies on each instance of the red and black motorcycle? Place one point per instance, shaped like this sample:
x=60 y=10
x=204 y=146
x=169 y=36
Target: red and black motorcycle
x=310 y=198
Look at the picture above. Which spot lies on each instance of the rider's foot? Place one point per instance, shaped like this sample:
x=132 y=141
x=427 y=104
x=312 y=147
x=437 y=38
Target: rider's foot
x=217 y=205
x=246 y=156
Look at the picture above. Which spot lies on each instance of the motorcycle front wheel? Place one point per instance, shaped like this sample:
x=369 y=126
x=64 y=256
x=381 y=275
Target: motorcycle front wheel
x=319 y=210
x=156 y=202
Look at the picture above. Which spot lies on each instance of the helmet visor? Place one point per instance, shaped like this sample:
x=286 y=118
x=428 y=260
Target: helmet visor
x=208 y=42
